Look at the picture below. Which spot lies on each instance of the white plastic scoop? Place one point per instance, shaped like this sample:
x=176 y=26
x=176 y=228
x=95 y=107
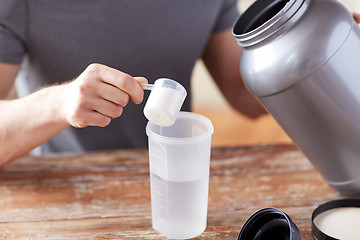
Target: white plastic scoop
x=164 y=102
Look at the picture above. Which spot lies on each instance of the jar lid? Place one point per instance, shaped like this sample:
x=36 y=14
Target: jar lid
x=336 y=220
x=269 y=224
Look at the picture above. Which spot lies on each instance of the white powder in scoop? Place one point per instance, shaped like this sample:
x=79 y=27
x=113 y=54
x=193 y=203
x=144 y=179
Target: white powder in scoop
x=341 y=223
x=163 y=105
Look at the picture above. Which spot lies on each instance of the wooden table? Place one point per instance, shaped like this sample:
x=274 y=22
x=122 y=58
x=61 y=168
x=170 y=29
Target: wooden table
x=106 y=195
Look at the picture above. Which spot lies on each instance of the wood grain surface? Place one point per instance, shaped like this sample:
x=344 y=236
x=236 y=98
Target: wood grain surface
x=106 y=195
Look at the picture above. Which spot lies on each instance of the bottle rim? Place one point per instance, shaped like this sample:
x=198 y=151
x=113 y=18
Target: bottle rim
x=259 y=22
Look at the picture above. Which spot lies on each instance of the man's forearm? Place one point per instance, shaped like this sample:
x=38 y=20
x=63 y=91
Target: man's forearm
x=30 y=121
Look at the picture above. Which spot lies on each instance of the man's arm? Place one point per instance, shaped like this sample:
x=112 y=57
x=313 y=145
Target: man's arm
x=7 y=78
x=98 y=95
x=222 y=59
x=356 y=17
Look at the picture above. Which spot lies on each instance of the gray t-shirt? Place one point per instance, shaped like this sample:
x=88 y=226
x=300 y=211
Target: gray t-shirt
x=55 y=40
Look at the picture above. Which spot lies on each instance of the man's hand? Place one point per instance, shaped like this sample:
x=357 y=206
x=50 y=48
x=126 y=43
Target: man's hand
x=98 y=95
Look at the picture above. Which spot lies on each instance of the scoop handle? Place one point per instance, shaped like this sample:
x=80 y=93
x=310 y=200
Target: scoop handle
x=147 y=86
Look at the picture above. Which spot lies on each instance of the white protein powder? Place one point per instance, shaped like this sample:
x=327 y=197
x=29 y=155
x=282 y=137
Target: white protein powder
x=341 y=223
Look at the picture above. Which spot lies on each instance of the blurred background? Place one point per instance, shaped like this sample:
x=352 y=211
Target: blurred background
x=232 y=128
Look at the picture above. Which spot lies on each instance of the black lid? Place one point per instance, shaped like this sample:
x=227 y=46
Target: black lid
x=269 y=224
x=316 y=232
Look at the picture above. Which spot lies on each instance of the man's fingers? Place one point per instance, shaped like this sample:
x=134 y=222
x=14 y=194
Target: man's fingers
x=141 y=80
x=113 y=94
x=121 y=80
x=89 y=118
x=107 y=108
x=99 y=94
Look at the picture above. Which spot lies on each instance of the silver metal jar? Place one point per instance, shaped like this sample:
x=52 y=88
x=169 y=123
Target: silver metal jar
x=301 y=58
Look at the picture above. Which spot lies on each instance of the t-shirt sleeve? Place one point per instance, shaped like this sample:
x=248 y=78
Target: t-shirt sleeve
x=12 y=31
x=229 y=13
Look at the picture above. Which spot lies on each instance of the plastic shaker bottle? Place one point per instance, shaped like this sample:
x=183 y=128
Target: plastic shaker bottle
x=179 y=173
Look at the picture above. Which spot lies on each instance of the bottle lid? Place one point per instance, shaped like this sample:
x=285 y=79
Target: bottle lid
x=337 y=219
x=269 y=224
x=333 y=220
